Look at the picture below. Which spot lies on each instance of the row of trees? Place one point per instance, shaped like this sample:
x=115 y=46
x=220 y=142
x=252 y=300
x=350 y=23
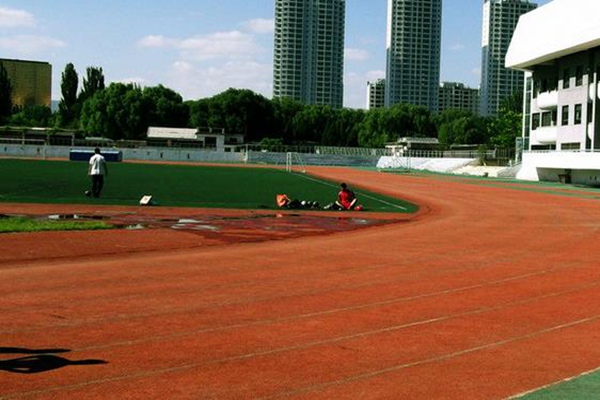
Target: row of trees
x=125 y=111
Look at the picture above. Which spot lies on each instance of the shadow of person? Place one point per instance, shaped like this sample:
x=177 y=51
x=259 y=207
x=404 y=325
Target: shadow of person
x=40 y=361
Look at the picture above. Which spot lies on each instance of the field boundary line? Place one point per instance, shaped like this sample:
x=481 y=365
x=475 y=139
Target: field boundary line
x=555 y=384
x=361 y=193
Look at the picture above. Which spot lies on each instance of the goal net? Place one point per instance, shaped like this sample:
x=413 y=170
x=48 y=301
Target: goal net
x=294 y=163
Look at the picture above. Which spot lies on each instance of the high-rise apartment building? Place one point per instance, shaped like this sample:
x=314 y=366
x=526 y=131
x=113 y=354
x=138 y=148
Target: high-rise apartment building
x=413 y=52
x=457 y=96
x=500 y=18
x=308 y=62
x=31 y=82
x=376 y=94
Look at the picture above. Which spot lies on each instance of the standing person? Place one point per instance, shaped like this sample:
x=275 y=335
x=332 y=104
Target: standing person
x=346 y=198
x=97 y=170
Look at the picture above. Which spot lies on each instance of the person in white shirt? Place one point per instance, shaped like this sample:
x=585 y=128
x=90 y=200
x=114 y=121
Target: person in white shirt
x=97 y=170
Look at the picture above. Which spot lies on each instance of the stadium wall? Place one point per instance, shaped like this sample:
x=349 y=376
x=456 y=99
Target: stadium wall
x=188 y=155
x=139 y=154
x=582 y=168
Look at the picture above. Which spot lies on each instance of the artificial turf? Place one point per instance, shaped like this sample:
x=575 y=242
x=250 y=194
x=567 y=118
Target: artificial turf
x=40 y=181
x=586 y=387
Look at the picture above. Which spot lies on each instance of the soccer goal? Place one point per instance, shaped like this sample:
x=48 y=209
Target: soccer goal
x=294 y=163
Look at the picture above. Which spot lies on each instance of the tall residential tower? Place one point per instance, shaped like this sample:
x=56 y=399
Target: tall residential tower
x=500 y=19
x=308 y=62
x=413 y=52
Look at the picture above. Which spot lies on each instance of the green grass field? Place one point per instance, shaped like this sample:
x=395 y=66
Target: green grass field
x=586 y=387
x=22 y=224
x=34 y=181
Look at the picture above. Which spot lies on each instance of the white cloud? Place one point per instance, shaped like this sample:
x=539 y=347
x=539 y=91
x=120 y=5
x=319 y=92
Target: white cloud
x=457 y=47
x=195 y=82
x=374 y=75
x=355 y=87
x=356 y=54
x=260 y=25
x=226 y=45
x=476 y=72
x=29 y=44
x=156 y=41
x=10 y=18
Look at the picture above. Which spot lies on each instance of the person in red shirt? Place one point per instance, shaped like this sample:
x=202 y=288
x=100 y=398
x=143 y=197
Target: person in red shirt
x=346 y=198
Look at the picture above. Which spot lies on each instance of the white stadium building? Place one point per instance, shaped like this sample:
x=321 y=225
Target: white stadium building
x=558 y=46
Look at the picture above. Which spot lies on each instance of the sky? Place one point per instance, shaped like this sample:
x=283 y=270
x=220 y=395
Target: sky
x=200 y=48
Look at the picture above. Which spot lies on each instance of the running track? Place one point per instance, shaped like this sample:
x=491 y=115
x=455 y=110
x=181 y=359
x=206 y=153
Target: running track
x=490 y=291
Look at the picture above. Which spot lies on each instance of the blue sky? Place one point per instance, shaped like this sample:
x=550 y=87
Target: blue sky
x=202 y=47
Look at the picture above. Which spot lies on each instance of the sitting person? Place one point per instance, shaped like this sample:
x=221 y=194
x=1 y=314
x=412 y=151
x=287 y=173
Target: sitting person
x=346 y=200
x=283 y=201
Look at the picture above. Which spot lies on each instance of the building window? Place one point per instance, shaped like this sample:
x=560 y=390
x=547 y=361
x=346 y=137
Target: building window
x=577 y=114
x=549 y=118
x=566 y=78
x=570 y=146
x=579 y=76
x=565 y=115
x=535 y=121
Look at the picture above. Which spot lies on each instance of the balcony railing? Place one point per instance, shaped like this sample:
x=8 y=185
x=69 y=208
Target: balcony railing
x=548 y=100
x=545 y=135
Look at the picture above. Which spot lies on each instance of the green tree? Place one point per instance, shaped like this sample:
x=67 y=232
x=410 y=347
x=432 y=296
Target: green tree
x=38 y=116
x=166 y=107
x=311 y=122
x=374 y=130
x=92 y=83
x=508 y=124
x=505 y=128
x=343 y=128
x=68 y=108
x=239 y=111
x=118 y=112
x=284 y=111
x=5 y=95
x=461 y=127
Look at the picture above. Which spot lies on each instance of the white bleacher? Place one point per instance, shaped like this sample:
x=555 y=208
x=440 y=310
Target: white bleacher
x=441 y=165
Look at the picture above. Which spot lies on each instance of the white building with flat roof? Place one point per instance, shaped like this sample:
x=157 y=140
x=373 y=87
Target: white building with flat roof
x=558 y=45
x=376 y=94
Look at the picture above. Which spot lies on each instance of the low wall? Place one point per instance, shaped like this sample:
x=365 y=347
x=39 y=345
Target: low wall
x=582 y=168
x=191 y=155
x=139 y=154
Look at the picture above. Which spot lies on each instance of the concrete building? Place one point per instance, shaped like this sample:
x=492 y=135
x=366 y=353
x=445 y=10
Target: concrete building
x=500 y=18
x=211 y=139
x=455 y=95
x=376 y=94
x=31 y=82
x=413 y=52
x=559 y=47
x=308 y=61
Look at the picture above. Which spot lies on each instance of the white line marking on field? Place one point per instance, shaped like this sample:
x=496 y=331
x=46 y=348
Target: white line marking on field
x=558 y=383
x=361 y=193
x=432 y=360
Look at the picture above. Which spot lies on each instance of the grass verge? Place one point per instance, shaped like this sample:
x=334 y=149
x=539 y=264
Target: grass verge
x=23 y=224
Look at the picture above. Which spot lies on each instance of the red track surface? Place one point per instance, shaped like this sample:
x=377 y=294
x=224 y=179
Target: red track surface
x=490 y=291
